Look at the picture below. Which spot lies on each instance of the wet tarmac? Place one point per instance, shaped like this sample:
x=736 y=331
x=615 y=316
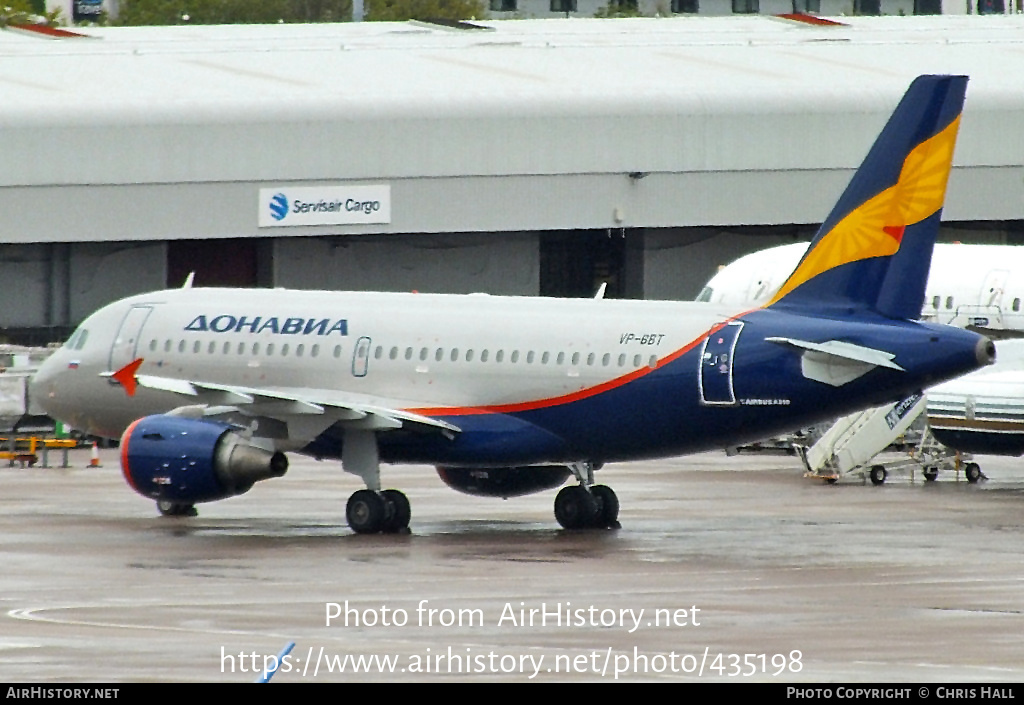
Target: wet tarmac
x=724 y=569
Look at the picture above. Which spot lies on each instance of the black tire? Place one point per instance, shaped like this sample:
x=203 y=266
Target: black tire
x=575 y=508
x=175 y=509
x=365 y=512
x=607 y=507
x=972 y=471
x=930 y=474
x=878 y=474
x=399 y=512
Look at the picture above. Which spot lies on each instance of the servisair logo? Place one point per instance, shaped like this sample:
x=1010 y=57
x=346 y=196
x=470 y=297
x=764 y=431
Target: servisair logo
x=325 y=205
x=279 y=206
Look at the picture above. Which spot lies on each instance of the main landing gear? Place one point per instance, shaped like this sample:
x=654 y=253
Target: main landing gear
x=586 y=505
x=372 y=511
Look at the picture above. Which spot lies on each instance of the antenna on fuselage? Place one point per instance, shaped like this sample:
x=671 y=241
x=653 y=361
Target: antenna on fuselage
x=188 y=280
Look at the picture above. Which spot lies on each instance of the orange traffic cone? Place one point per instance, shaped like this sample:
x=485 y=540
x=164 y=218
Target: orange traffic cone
x=94 y=461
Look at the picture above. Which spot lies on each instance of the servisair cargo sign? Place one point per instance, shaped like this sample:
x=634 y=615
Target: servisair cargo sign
x=325 y=205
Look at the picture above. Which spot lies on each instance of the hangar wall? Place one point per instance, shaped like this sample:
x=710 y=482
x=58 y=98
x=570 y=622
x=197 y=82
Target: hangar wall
x=493 y=263
x=525 y=158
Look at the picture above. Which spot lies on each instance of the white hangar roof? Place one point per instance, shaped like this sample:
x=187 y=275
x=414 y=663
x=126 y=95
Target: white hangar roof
x=560 y=110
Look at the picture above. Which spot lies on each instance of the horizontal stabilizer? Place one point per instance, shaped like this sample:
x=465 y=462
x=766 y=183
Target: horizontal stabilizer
x=835 y=362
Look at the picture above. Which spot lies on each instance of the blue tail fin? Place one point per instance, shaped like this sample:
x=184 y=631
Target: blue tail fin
x=874 y=250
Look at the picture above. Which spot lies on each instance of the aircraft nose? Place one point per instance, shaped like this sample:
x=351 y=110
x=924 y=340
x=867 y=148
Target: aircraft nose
x=42 y=386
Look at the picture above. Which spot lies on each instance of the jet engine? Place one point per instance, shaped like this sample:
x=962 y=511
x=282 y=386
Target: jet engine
x=504 y=482
x=184 y=461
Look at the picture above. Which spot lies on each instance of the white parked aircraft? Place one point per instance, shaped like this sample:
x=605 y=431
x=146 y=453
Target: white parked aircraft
x=975 y=286
x=208 y=388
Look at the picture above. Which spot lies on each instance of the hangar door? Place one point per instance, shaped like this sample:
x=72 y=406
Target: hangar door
x=228 y=262
x=574 y=263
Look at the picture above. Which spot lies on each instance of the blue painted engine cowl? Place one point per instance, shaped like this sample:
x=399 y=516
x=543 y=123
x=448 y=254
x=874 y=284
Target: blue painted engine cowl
x=186 y=460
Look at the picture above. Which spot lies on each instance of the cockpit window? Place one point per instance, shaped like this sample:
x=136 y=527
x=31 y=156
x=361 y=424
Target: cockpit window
x=77 y=339
x=705 y=294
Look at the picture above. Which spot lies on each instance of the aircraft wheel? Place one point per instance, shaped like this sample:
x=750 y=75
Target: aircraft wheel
x=930 y=474
x=175 y=509
x=607 y=507
x=398 y=511
x=878 y=474
x=972 y=471
x=575 y=508
x=365 y=512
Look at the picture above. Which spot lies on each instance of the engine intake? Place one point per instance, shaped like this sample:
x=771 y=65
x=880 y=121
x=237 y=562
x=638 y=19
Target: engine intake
x=504 y=482
x=187 y=461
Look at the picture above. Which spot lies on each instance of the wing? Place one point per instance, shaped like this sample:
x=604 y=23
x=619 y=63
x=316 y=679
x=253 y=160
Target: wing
x=296 y=416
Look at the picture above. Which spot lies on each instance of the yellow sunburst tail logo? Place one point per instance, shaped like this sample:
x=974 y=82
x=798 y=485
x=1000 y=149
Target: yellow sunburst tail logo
x=874 y=249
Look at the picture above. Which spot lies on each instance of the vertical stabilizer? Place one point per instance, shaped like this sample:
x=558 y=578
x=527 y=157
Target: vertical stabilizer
x=874 y=249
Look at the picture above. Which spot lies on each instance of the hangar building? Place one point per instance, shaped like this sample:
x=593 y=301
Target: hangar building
x=511 y=157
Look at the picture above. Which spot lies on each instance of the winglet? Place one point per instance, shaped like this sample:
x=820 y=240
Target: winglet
x=126 y=376
x=874 y=249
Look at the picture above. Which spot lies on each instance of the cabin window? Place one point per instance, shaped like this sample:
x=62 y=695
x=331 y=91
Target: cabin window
x=636 y=361
x=300 y=348
x=499 y=356
x=393 y=355
x=935 y=302
x=378 y=353
x=337 y=351
x=241 y=348
x=408 y=353
x=653 y=362
x=469 y=356
x=529 y=358
x=1016 y=304
x=515 y=356
x=949 y=302
x=423 y=353
x=575 y=358
x=560 y=360
x=545 y=358
x=605 y=359
x=590 y=360
x=270 y=349
x=212 y=348
x=484 y=354
x=622 y=360
x=314 y=350
x=284 y=350
x=255 y=348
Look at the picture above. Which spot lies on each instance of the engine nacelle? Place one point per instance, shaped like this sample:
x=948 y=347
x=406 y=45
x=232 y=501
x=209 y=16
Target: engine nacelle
x=187 y=461
x=504 y=482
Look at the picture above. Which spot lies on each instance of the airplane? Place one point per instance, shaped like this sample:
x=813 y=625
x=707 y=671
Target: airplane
x=209 y=388
x=980 y=287
x=982 y=412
